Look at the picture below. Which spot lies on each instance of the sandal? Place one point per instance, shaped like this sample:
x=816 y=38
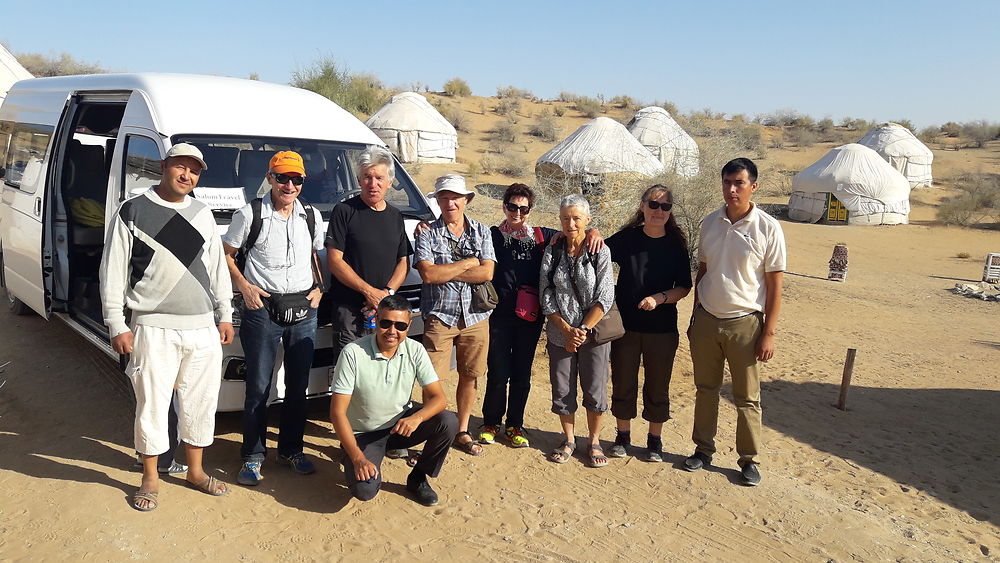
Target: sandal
x=413 y=459
x=560 y=455
x=211 y=485
x=148 y=496
x=598 y=460
x=471 y=447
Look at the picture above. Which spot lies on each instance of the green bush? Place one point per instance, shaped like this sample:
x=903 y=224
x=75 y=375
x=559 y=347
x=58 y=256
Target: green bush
x=360 y=94
x=457 y=87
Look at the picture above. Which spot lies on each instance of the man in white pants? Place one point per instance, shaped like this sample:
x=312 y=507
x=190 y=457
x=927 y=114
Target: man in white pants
x=163 y=260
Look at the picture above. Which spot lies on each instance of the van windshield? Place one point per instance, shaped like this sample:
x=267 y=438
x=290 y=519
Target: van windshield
x=240 y=163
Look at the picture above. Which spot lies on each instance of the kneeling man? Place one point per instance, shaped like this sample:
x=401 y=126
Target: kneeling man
x=371 y=409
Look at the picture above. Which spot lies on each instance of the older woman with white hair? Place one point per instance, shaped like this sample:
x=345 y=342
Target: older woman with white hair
x=576 y=289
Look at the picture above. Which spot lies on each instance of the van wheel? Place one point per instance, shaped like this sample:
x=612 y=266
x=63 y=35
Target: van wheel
x=15 y=305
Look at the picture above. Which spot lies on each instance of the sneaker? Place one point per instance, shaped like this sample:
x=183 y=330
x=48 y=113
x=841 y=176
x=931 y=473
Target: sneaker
x=654 y=449
x=622 y=443
x=697 y=461
x=174 y=469
x=399 y=453
x=515 y=435
x=249 y=474
x=750 y=475
x=422 y=490
x=299 y=463
x=488 y=434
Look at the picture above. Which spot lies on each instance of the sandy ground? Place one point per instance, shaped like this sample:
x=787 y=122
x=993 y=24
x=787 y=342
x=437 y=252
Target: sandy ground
x=909 y=472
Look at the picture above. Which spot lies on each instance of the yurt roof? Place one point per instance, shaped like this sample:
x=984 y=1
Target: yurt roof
x=856 y=170
x=654 y=127
x=895 y=140
x=409 y=111
x=602 y=146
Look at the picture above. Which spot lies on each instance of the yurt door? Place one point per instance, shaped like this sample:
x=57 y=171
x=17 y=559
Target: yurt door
x=835 y=211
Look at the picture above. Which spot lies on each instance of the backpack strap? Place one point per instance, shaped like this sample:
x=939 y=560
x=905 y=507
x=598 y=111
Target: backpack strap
x=314 y=256
x=256 y=223
x=539 y=236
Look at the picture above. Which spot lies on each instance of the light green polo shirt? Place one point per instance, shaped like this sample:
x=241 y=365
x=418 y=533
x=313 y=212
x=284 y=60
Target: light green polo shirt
x=380 y=387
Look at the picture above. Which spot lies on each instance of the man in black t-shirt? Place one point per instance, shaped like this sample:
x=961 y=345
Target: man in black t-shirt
x=367 y=248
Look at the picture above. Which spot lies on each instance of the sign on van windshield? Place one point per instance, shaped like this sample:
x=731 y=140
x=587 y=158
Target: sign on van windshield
x=221 y=198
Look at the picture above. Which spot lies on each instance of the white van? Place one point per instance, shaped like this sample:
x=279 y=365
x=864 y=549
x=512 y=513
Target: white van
x=73 y=148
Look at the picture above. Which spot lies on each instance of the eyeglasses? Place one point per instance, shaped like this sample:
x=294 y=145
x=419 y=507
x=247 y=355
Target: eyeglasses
x=523 y=209
x=657 y=205
x=384 y=324
x=285 y=178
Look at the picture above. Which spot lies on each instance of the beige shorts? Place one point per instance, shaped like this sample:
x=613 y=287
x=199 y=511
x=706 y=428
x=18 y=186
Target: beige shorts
x=472 y=344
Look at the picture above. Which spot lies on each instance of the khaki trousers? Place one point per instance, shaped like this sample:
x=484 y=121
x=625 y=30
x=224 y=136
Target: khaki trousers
x=714 y=341
x=471 y=343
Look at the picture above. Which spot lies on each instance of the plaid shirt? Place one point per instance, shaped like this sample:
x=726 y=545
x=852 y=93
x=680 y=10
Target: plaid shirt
x=452 y=301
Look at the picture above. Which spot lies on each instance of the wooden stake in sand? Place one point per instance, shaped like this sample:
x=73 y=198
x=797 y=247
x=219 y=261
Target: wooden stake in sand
x=845 y=381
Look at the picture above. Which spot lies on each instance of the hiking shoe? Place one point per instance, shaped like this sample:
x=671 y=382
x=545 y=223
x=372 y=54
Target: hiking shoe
x=488 y=433
x=174 y=469
x=249 y=474
x=654 y=449
x=515 y=435
x=750 y=475
x=422 y=490
x=398 y=453
x=697 y=461
x=621 y=445
x=298 y=462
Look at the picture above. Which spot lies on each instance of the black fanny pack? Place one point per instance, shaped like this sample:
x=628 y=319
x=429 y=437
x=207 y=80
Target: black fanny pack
x=287 y=309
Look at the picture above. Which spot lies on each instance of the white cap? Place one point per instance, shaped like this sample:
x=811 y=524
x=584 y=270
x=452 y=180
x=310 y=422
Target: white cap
x=454 y=183
x=186 y=149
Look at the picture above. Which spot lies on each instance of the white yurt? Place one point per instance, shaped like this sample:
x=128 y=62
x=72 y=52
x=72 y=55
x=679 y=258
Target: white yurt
x=414 y=130
x=897 y=145
x=10 y=72
x=599 y=148
x=668 y=141
x=851 y=184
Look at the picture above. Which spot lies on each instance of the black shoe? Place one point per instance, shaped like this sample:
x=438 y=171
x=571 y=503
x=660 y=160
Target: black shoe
x=697 y=461
x=654 y=449
x=750 y=475
x=622 y=444
x=422 y=490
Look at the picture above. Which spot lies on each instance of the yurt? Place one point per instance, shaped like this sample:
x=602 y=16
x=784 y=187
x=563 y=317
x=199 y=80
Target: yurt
x=10 y=72
x=850 y=184
x=668 y=141
x=599 y=152
x=897 y=145
x=414 y=130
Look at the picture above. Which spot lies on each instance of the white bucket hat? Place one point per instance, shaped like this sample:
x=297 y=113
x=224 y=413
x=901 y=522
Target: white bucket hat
x=454 y=183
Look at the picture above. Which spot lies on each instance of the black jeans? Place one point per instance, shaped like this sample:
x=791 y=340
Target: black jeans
x=512 y=349
x=438 y=431
x=348 y=325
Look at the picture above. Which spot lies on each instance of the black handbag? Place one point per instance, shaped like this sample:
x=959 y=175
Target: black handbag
x=484 y=295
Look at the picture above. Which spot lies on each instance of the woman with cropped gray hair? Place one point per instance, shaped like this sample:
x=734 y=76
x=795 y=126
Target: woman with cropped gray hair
x=576 y=290
x=374 y=155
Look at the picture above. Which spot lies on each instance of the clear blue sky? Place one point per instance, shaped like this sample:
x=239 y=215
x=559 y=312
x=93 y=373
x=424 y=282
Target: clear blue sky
x=927 y=61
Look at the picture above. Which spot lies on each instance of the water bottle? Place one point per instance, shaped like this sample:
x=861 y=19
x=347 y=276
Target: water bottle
x=369 y=315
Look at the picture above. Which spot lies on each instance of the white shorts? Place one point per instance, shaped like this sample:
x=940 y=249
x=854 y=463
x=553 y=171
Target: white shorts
x=191 y=361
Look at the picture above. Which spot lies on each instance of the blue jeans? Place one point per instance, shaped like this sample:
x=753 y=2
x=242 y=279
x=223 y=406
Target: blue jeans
x=260 y=337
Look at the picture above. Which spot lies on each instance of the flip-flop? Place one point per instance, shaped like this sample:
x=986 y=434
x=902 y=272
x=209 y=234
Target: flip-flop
x=470 y=446
x=210 y=485
x=149 y=497
x=413 y=459
x=559 y=456
x=599 y=460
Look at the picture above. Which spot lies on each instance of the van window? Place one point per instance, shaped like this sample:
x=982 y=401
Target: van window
x=142 y=165
x=25 y=154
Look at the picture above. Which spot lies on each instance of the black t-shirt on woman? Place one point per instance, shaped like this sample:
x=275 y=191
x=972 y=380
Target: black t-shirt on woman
x=518 y=263
x=647 y=266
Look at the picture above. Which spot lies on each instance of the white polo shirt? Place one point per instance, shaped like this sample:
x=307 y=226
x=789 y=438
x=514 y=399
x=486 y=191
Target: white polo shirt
x=737 y=255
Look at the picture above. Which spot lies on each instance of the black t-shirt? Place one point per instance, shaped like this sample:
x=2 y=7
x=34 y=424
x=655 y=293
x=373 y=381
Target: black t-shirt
x=647 y=266
x=518 y=263
x=372 y=243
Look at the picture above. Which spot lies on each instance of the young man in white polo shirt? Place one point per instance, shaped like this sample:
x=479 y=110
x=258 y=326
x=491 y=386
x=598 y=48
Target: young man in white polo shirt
x=741 y=258
x=371 y=410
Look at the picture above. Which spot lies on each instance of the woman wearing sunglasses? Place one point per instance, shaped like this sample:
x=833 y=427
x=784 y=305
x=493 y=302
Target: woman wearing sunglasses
x=654 y=274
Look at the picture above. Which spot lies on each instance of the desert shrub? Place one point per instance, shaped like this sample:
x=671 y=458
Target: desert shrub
x=623 y=102
x=589 y=107
x=504 y=163
x=905 y=123
x=980 y=132
x=803 y=136
x=695 y=124
x=507 y=106
x=667 y=105
x=360 y=94
x=65 y=64
x=559 y=111
x=544 y=128
x=978 y=199
x=482 y=107
x=852 y=124
x=824 y=125
x=738 y=118
x=786 y=118
x=457 y=87
x=778 y=140
x=473 y=170
x=569 y=97
x=746 y=136
x=253 y=76
x=929 y=134
x=512 y=92
x=963 y=255
x=776 y=183
x=951 y=129
x=457 y=118
x=505 y=130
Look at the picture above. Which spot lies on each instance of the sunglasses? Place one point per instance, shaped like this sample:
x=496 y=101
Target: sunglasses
x=384 y=324
x=285 y=178
x=523 y=209
x=657 y=205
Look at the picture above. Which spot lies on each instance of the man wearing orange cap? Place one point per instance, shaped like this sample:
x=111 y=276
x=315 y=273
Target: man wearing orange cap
x=281 y=291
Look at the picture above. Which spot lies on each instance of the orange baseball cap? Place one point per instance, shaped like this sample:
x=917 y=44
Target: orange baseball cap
x=287 y=161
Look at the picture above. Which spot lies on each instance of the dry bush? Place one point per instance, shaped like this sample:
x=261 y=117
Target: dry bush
x=456 y=116
x=778 y=140
x=776 y=183
x=695 y=124
x=739 y=118
x=569 y=97
x=905 y=123
x=978 y=200
x=963 y=255
x=508 y=106
x=358 y=93
x=667 y=105
x=589 y=107
x=951 y=129
x=65 y=64
x=505 y=131
x=512 y=92
x=559 y=111
x=747 y=136
x=825 y=125
x=504 y=163
x=624 y=102
x=545 y=128
x=473 y=171
x=457 y=87
x=929 y=134
x=980 y=132
x=803 y=137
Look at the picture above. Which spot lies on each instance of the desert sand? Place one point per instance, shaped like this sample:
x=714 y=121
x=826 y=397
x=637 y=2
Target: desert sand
x=909 y=472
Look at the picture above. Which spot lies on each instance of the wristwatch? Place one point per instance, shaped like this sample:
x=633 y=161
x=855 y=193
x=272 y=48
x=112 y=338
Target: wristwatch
x=390 y=290
x=586 y=328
